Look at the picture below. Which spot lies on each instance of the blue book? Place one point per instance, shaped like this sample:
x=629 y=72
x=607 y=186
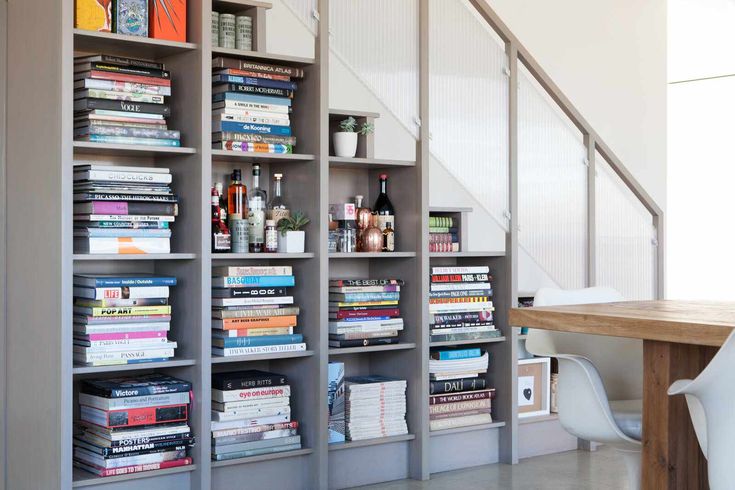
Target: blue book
x=257 y=99
x=255 y=82
x=125 y=232
x=103 y=281
x=229 y=342
x=452 y=355
x=246 y=281
x=238 y=127
x=125 y=140
x=358 y=297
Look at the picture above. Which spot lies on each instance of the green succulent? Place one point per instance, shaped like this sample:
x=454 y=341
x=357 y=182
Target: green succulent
x=367 y=128
x=295 y=222
x=348 y=125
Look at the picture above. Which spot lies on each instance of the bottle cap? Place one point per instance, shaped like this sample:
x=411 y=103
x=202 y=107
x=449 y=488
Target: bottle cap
x=256 y=169
x=270 y=222
x=383 y=176
x=278 y=176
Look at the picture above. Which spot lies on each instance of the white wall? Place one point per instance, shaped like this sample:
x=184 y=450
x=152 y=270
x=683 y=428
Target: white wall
x=609 y=58
x=701 y=237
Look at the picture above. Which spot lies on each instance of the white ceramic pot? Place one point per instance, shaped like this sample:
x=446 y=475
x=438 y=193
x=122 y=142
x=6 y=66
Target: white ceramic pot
x=292 y=242
x=345 y=144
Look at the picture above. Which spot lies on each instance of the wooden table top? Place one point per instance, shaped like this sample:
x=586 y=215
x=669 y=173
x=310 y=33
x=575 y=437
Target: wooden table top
x=684 y=322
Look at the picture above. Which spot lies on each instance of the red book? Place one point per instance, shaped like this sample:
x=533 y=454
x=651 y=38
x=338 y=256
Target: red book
x=167 y=20
x=134 y=416
x=108 y=75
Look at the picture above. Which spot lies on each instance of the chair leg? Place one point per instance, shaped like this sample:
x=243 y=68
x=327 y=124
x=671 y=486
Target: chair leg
x=633 y=466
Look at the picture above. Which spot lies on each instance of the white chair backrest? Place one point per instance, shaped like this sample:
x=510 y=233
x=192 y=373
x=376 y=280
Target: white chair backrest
x=619 y=361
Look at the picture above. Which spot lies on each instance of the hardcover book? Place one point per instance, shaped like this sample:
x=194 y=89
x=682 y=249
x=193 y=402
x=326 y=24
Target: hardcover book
x=93 y=15
x=132 y=17
x=167 y=20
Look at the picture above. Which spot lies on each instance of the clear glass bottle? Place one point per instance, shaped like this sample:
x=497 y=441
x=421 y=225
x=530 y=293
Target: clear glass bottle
x=256 y=213
x=383 y=207
x=277 y=208
x=222 y=201
x=237 y=207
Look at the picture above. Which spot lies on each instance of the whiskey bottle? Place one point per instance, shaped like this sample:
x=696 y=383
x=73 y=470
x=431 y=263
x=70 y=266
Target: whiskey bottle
x=277 y=208
x=236 y=197
x=389 y=238
x=256 y=213
x=220 y=233
x=383 y=207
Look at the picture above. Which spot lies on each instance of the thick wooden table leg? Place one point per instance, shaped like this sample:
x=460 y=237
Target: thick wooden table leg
x=671 y=455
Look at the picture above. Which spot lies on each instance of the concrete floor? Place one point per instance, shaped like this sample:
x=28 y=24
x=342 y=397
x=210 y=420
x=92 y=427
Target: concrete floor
x=573 y=470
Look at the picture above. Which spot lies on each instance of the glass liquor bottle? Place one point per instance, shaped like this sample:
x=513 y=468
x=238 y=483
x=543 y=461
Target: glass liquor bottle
x=220 y=233
x=236 y=197
x=389 y=238
x=383 y=207
x=222 y=201
x=256 y=213
x=277 y=208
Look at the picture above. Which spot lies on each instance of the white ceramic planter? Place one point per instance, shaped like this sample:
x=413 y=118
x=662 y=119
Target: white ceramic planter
x=292 y=242
x=345 y=144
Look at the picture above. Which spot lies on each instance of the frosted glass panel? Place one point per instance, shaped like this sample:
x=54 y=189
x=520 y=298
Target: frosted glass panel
x=379 y=41
x=625 y=233
x=552 y=186
x=468 y=99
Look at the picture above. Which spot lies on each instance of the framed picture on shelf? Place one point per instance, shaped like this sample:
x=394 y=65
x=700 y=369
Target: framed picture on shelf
x=534 y=394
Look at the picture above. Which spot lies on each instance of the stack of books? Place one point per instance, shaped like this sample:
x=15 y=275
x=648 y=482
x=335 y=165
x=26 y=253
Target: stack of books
x=122 y=210
x=364 y=312
x=251 y=415
x=460 y=304
x=458 y=395
x=129 y=425
x=336 y=402
x=122 y=319
x=122 y=101
x=253 y=311
x=251 y=106
x=443 y=234
x=374 y=406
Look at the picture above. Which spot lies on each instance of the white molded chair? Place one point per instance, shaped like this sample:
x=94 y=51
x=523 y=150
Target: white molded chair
x=584 y=393
x=711 y=401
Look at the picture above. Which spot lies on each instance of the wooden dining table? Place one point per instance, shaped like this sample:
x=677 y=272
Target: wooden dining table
x=679 y=339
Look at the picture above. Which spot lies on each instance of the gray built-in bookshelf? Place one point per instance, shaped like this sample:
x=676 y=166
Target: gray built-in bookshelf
x=43 y=380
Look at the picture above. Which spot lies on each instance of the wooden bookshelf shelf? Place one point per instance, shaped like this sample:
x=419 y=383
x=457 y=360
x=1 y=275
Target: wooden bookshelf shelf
x=234 y=5
x=449 y=209
x=372 y=255
x=262 y=256
x=371 y=348
x=252 y=157
x=469 y=428
x=369 y=163
x=121 y=44
x=466 y=254
x=539 y=418
x=256 y=55
x=262 y=457
x=133 y=367
x=83 y=478
x=338 y=446
x=261 y=357
x=449 y=343
x=90 y=148
x=131 y=257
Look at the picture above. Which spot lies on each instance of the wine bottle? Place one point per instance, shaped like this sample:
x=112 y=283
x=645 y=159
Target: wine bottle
x=383 y=207
x=220 y=233
x=277 y=208
x=256 y=213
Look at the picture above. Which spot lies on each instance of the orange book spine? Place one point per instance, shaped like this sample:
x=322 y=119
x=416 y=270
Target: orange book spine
x=167 y=20
x=255 y=322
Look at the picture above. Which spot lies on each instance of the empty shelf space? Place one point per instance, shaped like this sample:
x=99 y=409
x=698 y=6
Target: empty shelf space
x=448 y=343
x=144 y=47
x=449 y=209
x=469 y=428
x=345 y=162
x=466 y=254
x=90 y=148
x=334 y=351
x=133 y=367
x=234 y=5
x=262 y=256
x=256 y=55
x=371 y=255
x=109 y=257
x=262 y=457
x=370 y=442
x=240 y=156
x=83 y=478
x=538 y=418
x=262 y=357
x=349 y=112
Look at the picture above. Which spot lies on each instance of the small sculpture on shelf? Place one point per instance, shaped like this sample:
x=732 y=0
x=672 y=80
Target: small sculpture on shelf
x=345 y=140
x=291 y=237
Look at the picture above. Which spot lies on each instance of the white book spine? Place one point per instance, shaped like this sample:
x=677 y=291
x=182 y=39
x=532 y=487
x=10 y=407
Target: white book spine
x=118 y=176
x=132 y=292
x=482 y=269
x=260 y=349
x=218 y=416
x=103 y=403
x=461 y=286
x=125 y=355
x=459 y=307
x=279 y=300
x=224 y=396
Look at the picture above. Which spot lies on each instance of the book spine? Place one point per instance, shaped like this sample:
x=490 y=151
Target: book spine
x=109 y=196
x=366 y=289
x=363 y=342
x=135 y=416
x=255 y=147
x=461 y=397
x=248 y=381
x=221 y=62
x=450 y=355
x=386 y=312
x=122 y=105
x=362 y=297
x=460 y=286
x=130 y=87
x=249 y=73
x=253 y=332
x=456 y=385
x=265 y=349
x=264 y=340
x=122 y=245
x=258 y=99
x=243 y=105
x=254 y=271
x=125 y=207
x=112 y=337
x=255 y=322
x=460 y=278
x=460 y=307
x=138 y=282
x=257 y=292
x=251 y=413
x=248 y=313
x=254 y=128
x=125 y=403
x=124 y=140
x=253 y=281
x=235 y=84
x=260 y=393
x=131 y=132
x=152 y=389
x=104 y=75
x=132 y=292
x=460 y=270
x=121 y=60
x=274 y=119
x=113 y=95
x=363 y=335
x=116 y=176
x=140 y=449
x=459 y=300
x=128 y=470
x=280 y=300
x=257 y=452
x=461 y=293
x=365 y=282
x=129 y=70
x=262 y=82
x=127 y=355
x=131 y=310
x=124 y=218
x=217 y=435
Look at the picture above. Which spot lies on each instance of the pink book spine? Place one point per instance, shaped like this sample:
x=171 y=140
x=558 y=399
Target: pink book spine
x=130 y=335
x=109 y=207
x=126 y=470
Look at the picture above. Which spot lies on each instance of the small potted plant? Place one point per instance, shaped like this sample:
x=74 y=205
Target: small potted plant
x=291 y=237
x=345 y=140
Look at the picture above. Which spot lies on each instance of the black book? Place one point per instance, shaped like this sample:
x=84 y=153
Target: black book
x=133 y=108
x=145 y=384
x=250 y=292
x=136 y=441
x=365 y=282
x=456 y=385
x=252 y=89
x=360 y=308
x=252 y=378
x=134 y=449
x=119 y=60
x=122 y=69
x=363 y=342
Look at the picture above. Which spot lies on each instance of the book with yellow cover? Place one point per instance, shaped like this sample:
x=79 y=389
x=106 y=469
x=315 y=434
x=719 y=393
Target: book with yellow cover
x=93 y=15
